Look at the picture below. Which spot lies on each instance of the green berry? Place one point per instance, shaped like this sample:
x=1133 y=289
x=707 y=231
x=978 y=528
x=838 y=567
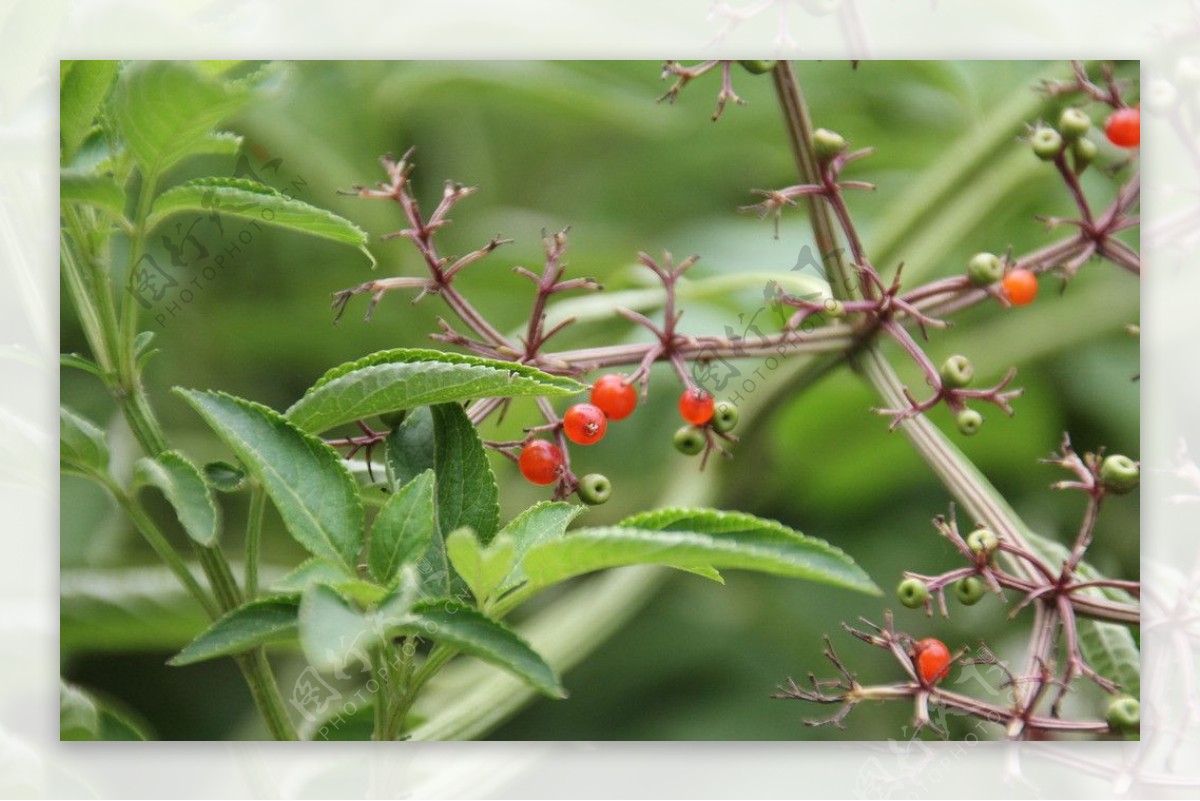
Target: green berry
x=968 y=421
x=983 y=541
x=393 y=419
x=957 y=372
x=1124 y=713
x=969 y=590
x=758 y=67
x=689 y=440
x=827 y=144
x=984 y=269
x=1074 y=123
x=594 y=489
x=1083 y=153
x=912 y=593
x=1119 y=474
x=725 y=418
x=1047 y=143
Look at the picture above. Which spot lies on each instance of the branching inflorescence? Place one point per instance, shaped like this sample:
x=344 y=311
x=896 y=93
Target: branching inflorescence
x=1055 y=582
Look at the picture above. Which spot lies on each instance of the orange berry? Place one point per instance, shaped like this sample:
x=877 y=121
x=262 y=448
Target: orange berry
x=1021 y=287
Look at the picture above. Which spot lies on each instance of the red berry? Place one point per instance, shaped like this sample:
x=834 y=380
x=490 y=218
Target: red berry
x=541 y=461
x=614 y=397
x=1124 y=127
x=1021 y=287
x=933 y=660
x=696 y=406
x=584 y=424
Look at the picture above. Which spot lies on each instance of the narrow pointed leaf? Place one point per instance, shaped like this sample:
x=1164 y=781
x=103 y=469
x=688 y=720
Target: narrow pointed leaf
x=405 y=379
x=541 y=522
x=184 y=486
x=82 y=90
x=305 y=478
x=238 y=197
x=409 y=448
x=256 y=623
x=466 y=488
x=482 y=568
x=99 y=191
x=404 y=528
x=312 y=571
x=82 y=446
x=453 y=623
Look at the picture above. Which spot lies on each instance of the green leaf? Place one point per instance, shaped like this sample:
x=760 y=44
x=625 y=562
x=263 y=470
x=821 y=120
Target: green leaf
x=166 y=110
x=691 y=539
x=100 y=191
x=238 y=197
x=224 y=477
x=333 y=631
x=82 y=90
x=451 y=622
x=82 y=716
x=483 y=568
x=80 y=363
x=466 y=488
x=541 y=522
x=305 y=478
x=363 y=594
x=312 y=571
x=82 y=446
x=252 y=624
x=218 y=143
x=184 y=486
x=403 y=529
x=404 y=379
x=409 y=448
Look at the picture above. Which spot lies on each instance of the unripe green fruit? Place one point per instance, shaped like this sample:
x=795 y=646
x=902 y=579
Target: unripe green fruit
x=969 y=590
x=725 y=417
x=393 y=419
x=689 y=440
x=827 y=144
x=983 y=541
x=957 y=372
x=835 y=308
x=1074 y=123
x=984 y=269
x=1119 y=474
x=912 y=593
x=1124 y=713
x=968 y=421
x=1047 y=143
x=757 y=67
x=594 y=489
x=1083 y=153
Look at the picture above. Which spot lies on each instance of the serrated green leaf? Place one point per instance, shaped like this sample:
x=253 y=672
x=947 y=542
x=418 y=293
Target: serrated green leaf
x=165 y=110
x=184 y=486
x=705 y=540
x=252 y=624
x=541 y=522
x=311 y=571
x=404 y=528
x=451 y=622
x=224 y=477
x=238 y=197
x=218 y=143
x=333 y=632
x=831 y=564
x=405 y=379
x=306 y=480
x=467 y=494
x=482 y=568
x=364 y=594
x=100 y=191
x=82 y=90
x=82 y=716
x=82 y=446
x=408 y=450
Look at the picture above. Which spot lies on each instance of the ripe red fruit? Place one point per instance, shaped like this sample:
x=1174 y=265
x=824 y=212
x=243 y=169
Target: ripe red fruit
x=584 y=424
x=696 y=406
x=933 y=660
x=614 y=397
x=1124 y=127
x=541 y=461
x=1021 y=287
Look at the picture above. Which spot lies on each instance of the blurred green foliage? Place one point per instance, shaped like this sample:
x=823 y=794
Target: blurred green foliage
x=552 y=144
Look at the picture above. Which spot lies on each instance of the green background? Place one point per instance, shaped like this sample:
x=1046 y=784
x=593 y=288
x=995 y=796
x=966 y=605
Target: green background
x=584 y=144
